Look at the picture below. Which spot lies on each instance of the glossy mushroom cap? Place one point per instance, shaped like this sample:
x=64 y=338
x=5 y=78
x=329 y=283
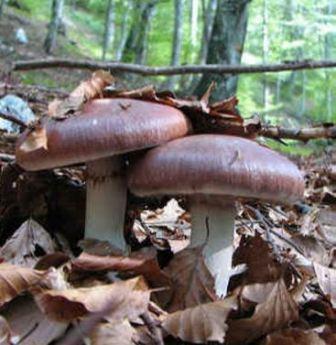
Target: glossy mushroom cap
x=216 y=165
x=104 y=128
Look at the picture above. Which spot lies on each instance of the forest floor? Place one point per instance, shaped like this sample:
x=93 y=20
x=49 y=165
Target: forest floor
x=51 y=288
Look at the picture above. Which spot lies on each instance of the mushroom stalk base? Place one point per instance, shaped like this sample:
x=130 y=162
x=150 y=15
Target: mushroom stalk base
x=106 y=194
x=219 y=246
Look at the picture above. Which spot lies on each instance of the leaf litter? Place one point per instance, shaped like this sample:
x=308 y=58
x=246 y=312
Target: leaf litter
x=163 y=292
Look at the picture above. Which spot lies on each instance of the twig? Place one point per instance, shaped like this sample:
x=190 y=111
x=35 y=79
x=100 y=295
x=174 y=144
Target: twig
x=13 y=119
x=170 y=70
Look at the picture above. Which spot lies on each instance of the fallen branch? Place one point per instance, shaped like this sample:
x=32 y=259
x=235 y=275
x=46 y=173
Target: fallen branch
x=170 y=70
x=302 y=134
x=13 y=119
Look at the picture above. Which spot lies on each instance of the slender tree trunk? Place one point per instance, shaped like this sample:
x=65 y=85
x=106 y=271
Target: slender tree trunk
x=127 y=7
x=109 y=28
x=2 y=6
x=265 y=53
x=226 y=46
x=208 y=21
x=193 y=21
x=135 y=47
x=327 y=46
x=142 y=43
x=56 y=17
x=177 y=40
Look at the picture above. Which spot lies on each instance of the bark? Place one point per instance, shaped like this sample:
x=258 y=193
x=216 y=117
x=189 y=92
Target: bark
x=171 y=70
x=226 y=45
x=127 y=7
x=177 y=39
x=136 y=43
x=2 y=6
x=109 y=28
x=208 y=21
x=56 y=18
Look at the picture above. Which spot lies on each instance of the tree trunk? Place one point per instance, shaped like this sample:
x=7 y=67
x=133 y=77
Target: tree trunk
x=146 y=17
x=177 y=40
x=226 y=46
x=265 y=52
x=193 y=21
x=136 y=43
x=109 y=28
x=127 y=7
x=208 y=21
x=56 y=17
x=2 y=6
x=327 y=46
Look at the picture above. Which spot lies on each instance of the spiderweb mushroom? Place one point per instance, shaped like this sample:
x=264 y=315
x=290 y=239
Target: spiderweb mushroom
x=214 y=170
x=105 y=129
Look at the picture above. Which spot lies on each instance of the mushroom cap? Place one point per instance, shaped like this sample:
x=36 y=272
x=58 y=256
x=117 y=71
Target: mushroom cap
x=105 y=127
x=216 y=165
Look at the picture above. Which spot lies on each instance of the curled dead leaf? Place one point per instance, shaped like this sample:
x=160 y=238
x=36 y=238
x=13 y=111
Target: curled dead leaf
x=294 y=336
x=20 y=249
x=201 y=324
x=326 y=277
x=192 y=283
x=15 y=280
x=36 y=139
x=277 y=311
x=125 y=299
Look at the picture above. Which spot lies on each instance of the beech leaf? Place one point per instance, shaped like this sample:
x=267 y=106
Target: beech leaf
x=21 y=247
x=326 y=278
x=277 y=311
x=36 y=139
x=294 y=336
x=192 y=283
x=201 y=324
x=15 y=280
x=125 y=299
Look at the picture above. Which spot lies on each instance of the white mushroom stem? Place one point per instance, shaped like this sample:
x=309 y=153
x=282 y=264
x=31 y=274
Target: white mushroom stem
x=219 y=246
x=106 y=193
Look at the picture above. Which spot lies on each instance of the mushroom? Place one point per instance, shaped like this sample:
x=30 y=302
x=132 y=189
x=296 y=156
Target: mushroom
x=105 y=129
x=215 y=170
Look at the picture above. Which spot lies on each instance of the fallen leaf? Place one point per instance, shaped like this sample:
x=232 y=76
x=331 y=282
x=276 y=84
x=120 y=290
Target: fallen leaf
x=143 y=262
x=294 y=336
x=126 y=299
x=35 y=139
x=15 y=280
x=201 y=324
x=5 y=332
x=277 y=311
x=21 y=248
x=120 y=333
x=326 y=278
x=257 y=293
x=192 y=283
x=29 y=325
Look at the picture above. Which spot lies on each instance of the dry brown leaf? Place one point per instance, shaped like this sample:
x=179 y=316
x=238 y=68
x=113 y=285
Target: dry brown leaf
x=277 y=311
x=36 y=139
x=261 y=268
x=326 y=278
x=5 y=332
x=294 y=336
x=201 y=324
x=20 y=249
x=15 y=280
x=143 y=262
x=29 y=325
x=257 y=293
x=86 y=91
x=125 y=299
x=120 y=333
x=192 y=283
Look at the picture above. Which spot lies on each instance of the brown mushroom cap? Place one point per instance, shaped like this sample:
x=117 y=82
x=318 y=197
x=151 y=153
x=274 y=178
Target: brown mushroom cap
x=217 y=165
x=104 y=128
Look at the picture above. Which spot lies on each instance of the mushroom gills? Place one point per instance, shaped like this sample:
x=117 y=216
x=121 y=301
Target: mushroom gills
x=218 y=238
x=106 y=193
